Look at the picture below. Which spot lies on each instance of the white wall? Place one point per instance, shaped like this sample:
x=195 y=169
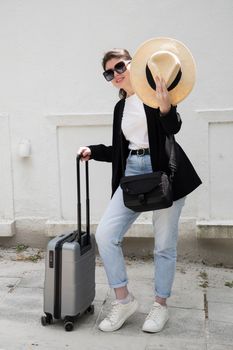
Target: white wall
x=52 y=92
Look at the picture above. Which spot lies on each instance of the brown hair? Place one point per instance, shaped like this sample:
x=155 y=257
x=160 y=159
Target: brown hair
x=116 y=53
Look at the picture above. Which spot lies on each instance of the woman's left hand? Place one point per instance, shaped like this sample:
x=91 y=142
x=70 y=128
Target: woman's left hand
x=162 y=95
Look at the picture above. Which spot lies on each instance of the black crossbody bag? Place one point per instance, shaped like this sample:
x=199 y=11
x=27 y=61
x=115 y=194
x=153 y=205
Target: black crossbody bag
x=151 y=191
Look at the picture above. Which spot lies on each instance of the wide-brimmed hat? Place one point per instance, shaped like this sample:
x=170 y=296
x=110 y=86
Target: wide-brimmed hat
x=167 y=58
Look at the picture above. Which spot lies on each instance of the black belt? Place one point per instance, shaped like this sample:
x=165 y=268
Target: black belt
x=140 y=152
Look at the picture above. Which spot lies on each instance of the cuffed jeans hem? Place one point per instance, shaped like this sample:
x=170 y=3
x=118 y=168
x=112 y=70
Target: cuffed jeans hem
x=162 y=296
x=119 y=285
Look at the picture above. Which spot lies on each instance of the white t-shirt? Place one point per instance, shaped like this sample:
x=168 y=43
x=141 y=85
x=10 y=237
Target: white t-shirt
x=134 y=124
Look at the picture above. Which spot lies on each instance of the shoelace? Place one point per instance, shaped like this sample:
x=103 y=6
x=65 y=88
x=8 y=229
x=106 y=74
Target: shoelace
x=154 y=312
x=111 y=317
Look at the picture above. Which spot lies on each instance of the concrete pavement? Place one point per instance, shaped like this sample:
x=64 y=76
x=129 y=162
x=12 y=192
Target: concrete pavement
x=201 y=309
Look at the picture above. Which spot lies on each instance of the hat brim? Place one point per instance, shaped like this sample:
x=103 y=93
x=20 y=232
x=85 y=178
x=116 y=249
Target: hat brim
x=138 y=70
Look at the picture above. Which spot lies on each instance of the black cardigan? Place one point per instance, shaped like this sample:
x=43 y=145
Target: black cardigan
x=185 y=179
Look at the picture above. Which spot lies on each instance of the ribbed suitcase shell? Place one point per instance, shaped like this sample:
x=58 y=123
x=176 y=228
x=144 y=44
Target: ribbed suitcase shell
x=71 y=293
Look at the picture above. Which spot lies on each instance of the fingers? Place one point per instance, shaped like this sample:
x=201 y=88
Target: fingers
x=85 y=153
x=162 y=95
x=163 y=85
x=158 y=86
x=161 y=88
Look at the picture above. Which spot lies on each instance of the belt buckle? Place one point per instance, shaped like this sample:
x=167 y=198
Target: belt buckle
x=139 y=154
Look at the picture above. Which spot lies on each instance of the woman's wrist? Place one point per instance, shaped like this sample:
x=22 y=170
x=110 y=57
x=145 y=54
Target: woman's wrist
x=163 y=112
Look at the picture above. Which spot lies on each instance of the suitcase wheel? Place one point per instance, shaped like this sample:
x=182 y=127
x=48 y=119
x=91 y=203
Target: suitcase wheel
x=90 y=310
x=68 y=325
x=48 y=319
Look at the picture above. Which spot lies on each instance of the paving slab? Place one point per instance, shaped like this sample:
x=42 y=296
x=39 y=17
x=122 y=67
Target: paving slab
x=220 y=333
x=220 y=312
x=200 y=309
x=218 y=347
x=220 y=295
x=164 y=344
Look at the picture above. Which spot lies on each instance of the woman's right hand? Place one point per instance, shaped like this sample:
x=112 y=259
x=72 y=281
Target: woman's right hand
x=85 y=153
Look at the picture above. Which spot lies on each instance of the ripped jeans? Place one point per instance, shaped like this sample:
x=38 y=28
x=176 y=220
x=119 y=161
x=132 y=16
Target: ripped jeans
x=116 y=221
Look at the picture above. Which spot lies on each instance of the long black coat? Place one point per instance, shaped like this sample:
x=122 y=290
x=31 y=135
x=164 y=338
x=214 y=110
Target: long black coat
x=185 y=179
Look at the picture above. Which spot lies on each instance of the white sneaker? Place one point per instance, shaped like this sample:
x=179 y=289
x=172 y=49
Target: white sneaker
x=156 y=319
x=118 y=315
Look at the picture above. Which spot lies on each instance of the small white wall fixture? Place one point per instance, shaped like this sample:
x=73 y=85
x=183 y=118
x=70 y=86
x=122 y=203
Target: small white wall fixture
x=25 y=148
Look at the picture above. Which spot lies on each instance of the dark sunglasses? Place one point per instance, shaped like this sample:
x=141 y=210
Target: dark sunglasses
x=120 y=68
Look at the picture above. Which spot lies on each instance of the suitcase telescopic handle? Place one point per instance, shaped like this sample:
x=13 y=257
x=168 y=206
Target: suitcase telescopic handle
x=79 y=210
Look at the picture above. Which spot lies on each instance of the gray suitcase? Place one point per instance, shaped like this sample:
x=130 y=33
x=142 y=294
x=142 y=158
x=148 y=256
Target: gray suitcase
x=69 y=287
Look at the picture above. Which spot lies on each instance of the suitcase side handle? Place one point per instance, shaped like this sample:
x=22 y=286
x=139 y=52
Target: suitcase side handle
x=79 y=206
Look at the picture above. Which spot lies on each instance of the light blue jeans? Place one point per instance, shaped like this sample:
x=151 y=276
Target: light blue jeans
x=117 y=219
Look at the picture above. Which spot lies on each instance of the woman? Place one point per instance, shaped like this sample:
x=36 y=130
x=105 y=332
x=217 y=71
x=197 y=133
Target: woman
x=138 y=146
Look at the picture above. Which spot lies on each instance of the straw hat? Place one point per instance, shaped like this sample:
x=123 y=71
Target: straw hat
x=167 y=58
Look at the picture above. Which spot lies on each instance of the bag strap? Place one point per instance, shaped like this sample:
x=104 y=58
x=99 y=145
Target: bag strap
x=170 y=150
